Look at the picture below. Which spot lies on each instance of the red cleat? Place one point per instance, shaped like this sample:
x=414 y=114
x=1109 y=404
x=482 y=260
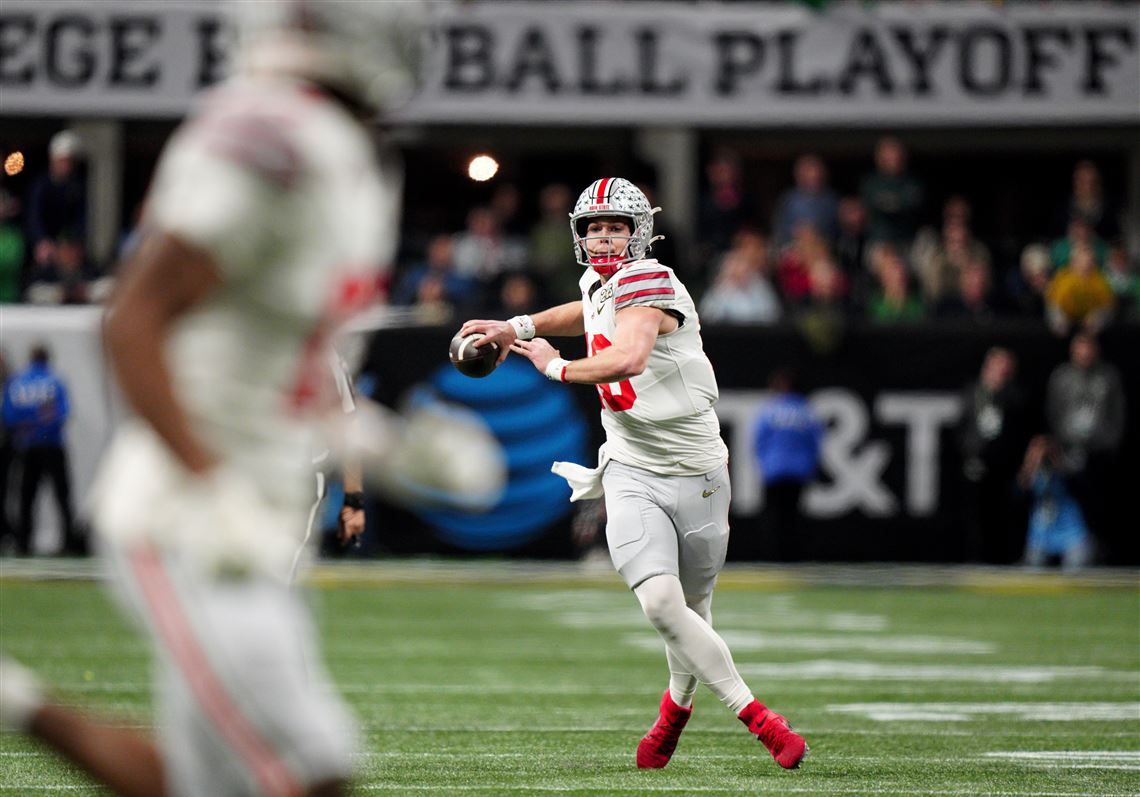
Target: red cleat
x=785 y=745
x=656 y=747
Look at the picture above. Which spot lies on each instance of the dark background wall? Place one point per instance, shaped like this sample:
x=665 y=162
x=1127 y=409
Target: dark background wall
x=863 y=368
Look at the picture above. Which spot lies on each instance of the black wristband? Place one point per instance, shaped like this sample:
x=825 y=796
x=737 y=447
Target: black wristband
x=354 y=500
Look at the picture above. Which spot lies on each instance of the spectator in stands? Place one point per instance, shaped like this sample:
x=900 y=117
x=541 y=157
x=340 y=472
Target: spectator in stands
x=1125 y=283
x=1079 y=235
x=851 y=243
x=482 y=252
x=517 y=293
x=505 y=204
x=893 y=197
x=67 y=278
x=725 y=207
x=12 y=249
x=1028 y=285
x=1056 y=524
x=811 y=201
x=939 y=258
x=57 y=201
x=431 y=304
x=741 y=294
x=893 y=300
x=822 y=317
x=1079 y=295
x=1087 y=203
x=1085 y=410
x=797 y=260
x=788 y=438
x=35 y=409
x=550 y=258
x=973 y=299
x=439 y=266
x=992 y=433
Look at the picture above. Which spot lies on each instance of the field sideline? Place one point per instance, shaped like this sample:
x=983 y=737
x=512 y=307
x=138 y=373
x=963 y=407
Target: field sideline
x=501 y=678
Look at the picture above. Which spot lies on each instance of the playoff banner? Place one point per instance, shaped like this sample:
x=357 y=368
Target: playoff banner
x=528 y=62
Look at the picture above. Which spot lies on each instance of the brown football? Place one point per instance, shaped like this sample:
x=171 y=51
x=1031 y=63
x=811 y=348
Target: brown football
x=472 y=360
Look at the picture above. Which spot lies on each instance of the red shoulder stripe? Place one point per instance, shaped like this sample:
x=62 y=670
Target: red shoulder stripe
x=649 y=275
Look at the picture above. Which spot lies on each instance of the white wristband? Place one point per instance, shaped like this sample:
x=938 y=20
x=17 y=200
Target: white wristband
x=556 y=369
x=523 y=325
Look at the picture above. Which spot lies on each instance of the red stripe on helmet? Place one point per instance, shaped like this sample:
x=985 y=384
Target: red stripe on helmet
x=603 y=184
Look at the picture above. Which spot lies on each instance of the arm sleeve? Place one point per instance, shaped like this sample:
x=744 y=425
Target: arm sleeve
x=644 y=286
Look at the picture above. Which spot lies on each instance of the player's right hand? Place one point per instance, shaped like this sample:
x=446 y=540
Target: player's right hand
x=500 y=332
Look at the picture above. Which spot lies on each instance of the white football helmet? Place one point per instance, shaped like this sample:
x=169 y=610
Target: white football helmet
x=369 y=52
x=609 y=197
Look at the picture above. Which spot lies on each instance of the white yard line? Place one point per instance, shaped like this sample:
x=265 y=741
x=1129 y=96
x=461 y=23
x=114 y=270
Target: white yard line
x=837 y=670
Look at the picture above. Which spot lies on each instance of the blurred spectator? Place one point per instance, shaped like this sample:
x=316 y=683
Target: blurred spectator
x=431 y=304
x=1085 y=410
x=1125 y=283
x=551 y=256
x=1087 y=203
x=892 y=197
x=972 y=301
x=1078 y=235
x=938 y=258
x=482 y=252
x=1079 y=295
x=788 y=438
x=809 y=201
x=439 y=266
x=505 y=204
x=517 y=294
x=66 y=277
x=1028 y=285
x=726 y=206
x=12 y=249
x=1056 y=524
x=991 y=437
x=36 y=408
x=6 y=532
x=851 y=243
x=741 y=294
x=893 y=300
x=822 y=318
x=57 y=202
x=797 y=260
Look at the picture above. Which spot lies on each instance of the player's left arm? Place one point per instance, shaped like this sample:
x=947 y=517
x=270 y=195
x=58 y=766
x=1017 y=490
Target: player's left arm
x=636 y=333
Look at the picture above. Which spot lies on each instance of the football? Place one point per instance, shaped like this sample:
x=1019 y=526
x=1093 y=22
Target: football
x=470 y=359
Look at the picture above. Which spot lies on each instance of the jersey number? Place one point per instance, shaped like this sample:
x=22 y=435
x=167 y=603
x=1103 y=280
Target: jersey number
x=618 y=396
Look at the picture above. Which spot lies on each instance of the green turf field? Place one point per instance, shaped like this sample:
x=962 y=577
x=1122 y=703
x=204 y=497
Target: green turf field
x=499 y=679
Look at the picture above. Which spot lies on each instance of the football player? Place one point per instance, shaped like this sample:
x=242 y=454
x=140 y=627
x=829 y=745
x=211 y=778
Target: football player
x=663 y=469
x=266 y=223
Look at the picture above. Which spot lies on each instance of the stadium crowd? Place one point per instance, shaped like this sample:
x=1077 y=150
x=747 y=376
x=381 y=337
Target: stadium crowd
x=874 y=249
x=871 y=249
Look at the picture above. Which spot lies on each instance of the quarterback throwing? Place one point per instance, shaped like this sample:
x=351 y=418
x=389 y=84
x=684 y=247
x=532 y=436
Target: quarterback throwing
x=663 y=469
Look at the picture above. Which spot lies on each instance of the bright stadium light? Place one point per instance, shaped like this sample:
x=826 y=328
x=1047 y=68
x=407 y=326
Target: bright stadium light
x=14 y=164
x=482 y=168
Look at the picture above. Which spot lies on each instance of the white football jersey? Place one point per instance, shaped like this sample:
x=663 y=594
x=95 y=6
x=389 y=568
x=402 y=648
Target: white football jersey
x=661 y=420
x=280 y=185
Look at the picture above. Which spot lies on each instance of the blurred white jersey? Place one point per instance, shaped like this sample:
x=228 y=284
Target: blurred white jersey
x=661 y=420
x=280 y=186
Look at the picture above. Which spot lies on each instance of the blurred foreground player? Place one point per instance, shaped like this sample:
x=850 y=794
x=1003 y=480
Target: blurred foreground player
x=663 y=469
x=265 y=228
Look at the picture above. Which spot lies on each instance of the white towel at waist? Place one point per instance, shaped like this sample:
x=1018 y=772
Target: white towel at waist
x=585 y=483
